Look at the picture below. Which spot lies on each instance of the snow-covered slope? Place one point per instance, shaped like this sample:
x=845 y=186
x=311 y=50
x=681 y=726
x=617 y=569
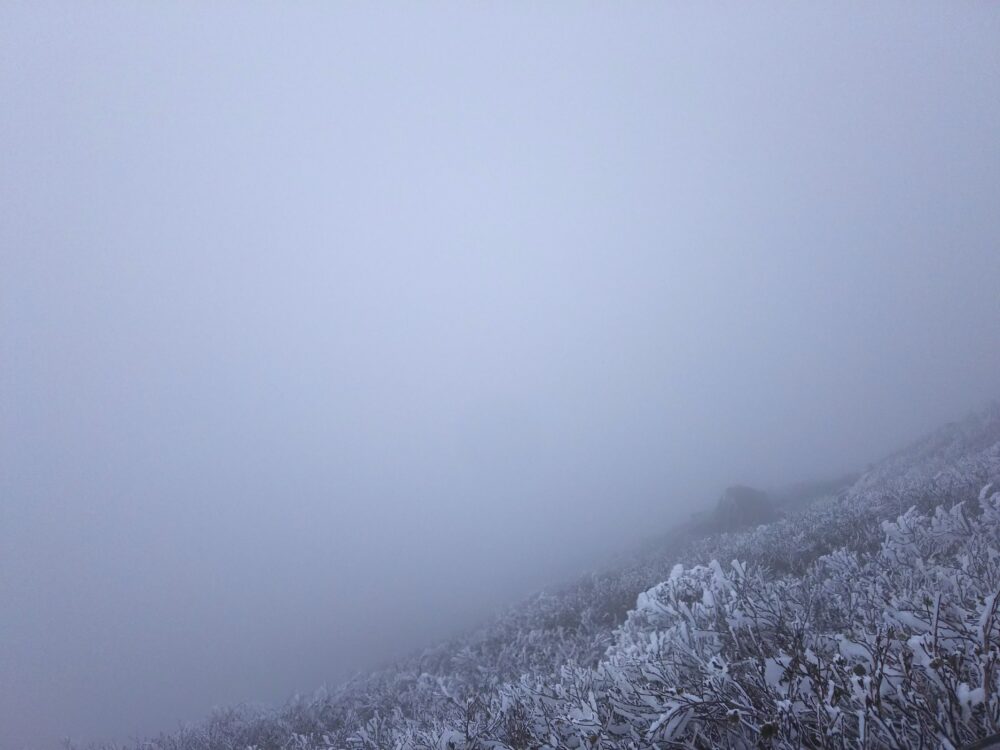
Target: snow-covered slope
x=868 y=619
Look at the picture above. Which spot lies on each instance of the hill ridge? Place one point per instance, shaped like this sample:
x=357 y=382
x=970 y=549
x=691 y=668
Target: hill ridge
x=660 y=652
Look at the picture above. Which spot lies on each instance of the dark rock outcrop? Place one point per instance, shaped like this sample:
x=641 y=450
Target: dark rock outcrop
x=742 y=506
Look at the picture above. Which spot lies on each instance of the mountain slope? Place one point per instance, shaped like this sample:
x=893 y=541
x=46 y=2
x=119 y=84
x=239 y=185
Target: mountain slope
x=869 y=618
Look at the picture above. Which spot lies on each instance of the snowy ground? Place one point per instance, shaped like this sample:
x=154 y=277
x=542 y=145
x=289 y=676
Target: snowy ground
x=869 y=619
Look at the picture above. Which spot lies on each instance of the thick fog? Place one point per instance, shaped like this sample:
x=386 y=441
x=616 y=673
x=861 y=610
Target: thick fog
x=328 y=329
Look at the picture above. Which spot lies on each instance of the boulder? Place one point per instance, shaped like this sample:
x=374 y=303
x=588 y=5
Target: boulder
x=742 y=506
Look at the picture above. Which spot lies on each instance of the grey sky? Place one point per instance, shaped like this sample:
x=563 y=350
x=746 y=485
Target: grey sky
x=324 y=329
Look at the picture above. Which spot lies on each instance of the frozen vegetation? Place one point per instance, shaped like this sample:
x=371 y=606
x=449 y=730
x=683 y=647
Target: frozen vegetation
x=864 y=618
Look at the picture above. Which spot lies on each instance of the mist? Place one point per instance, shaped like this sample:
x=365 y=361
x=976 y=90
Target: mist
x=326 y=331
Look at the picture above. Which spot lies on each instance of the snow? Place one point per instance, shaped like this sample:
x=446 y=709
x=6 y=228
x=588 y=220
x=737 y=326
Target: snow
x=844 y=621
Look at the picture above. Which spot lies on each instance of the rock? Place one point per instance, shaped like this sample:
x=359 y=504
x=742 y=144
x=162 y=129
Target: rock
x=742 y=506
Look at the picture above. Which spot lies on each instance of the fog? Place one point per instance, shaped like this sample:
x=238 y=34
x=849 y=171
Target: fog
x=326 y=330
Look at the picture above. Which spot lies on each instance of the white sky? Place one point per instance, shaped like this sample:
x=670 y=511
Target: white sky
x=326 y=328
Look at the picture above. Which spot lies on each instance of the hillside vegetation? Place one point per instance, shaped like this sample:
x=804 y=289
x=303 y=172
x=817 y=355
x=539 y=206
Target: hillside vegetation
x=869 y=618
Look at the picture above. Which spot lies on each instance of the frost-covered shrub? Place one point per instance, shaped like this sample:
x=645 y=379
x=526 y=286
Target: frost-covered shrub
x=895 y=649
